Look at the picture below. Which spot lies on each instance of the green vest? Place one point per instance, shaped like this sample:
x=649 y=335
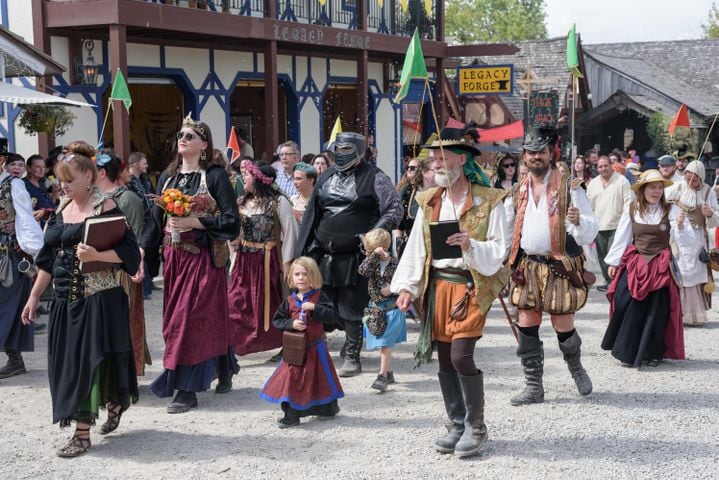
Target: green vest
x=475 y=221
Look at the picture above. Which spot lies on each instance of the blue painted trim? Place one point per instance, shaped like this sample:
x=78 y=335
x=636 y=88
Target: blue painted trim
x=163 y=58
x=5 y=15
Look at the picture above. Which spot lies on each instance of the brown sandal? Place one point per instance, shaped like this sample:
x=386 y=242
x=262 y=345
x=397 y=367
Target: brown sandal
x=114 y=413
x=77 y=445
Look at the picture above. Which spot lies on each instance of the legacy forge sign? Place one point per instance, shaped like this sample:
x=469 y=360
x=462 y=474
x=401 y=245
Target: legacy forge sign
x=485 y=80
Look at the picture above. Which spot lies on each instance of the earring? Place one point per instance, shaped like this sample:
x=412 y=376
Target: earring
x=89 y=187
x=203 y=156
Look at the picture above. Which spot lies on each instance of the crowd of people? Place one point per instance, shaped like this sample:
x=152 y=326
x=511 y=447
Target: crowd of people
x=285 y=252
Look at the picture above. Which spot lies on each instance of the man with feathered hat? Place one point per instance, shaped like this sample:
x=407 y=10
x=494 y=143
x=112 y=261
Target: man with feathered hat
x=553 y=219
x=457 y=289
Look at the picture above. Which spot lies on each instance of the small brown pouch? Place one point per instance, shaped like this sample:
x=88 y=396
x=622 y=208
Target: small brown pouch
x=460 y=309
x=293 y=347
x=219 y=253
x=589 y=278
x=560 y=270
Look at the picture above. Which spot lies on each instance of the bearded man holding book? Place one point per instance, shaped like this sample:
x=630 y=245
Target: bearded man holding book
x=458 y=289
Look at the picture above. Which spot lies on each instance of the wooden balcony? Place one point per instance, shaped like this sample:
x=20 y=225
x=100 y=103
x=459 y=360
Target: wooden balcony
x=390 y=18
x=334 y=28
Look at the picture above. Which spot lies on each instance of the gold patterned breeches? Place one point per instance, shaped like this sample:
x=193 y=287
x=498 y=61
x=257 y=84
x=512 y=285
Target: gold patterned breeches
x=546 y=291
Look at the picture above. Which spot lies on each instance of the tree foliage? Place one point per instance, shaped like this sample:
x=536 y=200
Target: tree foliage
x=711 y=29
x=470 y=21
x=662 y=143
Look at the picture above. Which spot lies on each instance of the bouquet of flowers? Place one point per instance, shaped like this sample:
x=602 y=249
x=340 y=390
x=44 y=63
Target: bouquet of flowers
x=175 y=204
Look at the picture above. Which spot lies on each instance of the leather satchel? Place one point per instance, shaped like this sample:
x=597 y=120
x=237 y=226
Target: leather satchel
x=461 y=308
x=219 y=253
x=293 y=347
x=575 y=277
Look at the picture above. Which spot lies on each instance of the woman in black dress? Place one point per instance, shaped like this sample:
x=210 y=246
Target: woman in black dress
x=90 y=361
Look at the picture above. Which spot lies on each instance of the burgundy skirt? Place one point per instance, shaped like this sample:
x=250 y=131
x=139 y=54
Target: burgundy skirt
x=247 y=303
x=195 y=324
x=314 y=383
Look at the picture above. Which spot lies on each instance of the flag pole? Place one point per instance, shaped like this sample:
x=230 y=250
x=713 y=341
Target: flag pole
x=104 y=123
x=575 y=85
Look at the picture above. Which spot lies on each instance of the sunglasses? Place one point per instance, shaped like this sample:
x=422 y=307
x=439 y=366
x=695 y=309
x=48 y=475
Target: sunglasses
x=411 y=168
x=508 y=165
x=189 y=136
x=65 y=157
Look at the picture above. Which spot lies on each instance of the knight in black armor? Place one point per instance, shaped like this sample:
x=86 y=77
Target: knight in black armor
x=351 y=197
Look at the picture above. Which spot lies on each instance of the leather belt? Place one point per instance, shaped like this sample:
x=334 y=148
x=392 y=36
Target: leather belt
x=265 y=247
x=190 y=247
x=546 y=259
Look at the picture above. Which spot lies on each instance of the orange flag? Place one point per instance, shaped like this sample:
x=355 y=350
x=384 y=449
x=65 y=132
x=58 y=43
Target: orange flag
x=681 y=119
x=233 y=147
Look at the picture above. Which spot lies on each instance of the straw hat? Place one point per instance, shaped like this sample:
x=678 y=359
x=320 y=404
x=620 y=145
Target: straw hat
x=453 y=138
x=650 y=176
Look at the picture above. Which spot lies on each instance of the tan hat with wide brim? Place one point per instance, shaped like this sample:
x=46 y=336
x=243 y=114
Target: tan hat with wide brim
x=650 y=176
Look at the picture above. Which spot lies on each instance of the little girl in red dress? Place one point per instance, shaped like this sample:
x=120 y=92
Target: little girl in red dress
x=312 y=388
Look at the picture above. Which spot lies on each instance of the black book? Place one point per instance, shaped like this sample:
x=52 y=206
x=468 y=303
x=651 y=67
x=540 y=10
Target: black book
x=438 y=233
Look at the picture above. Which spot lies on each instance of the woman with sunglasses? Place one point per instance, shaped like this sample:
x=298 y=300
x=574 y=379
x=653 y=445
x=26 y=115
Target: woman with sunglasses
x=90 y=362
x=265 y=248
x=111 y=179
x=413 y=184
x=506 y=173
x=195 y=318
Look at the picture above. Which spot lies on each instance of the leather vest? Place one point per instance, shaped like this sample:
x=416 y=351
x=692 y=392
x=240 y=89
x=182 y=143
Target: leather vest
x=7 y=210
x=558 y=192
x=650 y=240
x=475 y=220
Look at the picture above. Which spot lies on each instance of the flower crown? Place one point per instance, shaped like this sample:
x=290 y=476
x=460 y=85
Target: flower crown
x=194 y=124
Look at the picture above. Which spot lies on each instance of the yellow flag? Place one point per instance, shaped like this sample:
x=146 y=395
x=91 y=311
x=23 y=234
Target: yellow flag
x=323 y=2
x=380 y=4
x=428 y=7
x=404 y=5
x=336 y=130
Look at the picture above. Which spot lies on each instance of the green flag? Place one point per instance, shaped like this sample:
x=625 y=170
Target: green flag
x=413 y=67
x=120 y=90
x=573 y=53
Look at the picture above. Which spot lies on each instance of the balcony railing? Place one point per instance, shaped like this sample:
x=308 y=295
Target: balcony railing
x=390 y=18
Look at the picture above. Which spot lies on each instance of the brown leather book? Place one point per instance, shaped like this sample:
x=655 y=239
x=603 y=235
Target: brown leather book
x=102 y=232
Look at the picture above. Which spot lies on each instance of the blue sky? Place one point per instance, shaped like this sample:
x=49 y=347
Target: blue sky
x=611 y=21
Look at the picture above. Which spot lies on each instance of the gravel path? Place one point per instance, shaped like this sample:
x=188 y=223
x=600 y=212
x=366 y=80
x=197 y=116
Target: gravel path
x=655 y=423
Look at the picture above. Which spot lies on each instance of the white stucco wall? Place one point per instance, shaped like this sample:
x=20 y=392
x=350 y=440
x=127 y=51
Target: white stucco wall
x=195 y=62
x=143 y=55
x=227 y=64
x=374 y=72
x=343 y=68
x=385 y=137
x=214 y=116
x=85 y=125
x=20 y=18
x=310 y=131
